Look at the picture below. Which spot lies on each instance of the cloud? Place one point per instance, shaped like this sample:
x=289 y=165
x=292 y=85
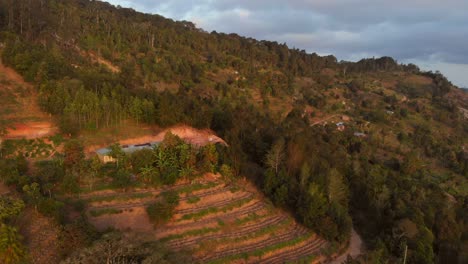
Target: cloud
x=408 y=30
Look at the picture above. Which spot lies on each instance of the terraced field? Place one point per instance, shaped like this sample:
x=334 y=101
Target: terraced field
x=219 y=223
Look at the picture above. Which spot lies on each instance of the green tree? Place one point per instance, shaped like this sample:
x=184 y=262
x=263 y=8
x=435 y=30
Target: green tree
x=122 y=179
x=227 y=172
x=12 y=250
x=118 y=154
x=209 y=158
x=33 y=194
x=74 y=155
x=10 y=207
x=150 y=175
x=337 y=189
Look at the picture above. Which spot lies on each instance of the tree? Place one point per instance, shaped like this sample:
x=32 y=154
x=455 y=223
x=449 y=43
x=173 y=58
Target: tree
x=312 y=206
x=275 y=156
x=337 y=190
x=209 y=158
x=12 y=250
x=122 y=179
x=10 y=207
x=33 y=193
x=163 y=210
x=118 y=154
x=305 y=175
x=95 y=168
x=150 y=175
x=226 y=172
x=74 y=155
x=141 y=159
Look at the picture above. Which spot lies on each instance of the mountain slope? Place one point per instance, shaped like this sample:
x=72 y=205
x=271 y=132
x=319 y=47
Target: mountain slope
x=374 y=144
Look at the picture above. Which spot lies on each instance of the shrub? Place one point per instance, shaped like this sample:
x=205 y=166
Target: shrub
x=161 y=211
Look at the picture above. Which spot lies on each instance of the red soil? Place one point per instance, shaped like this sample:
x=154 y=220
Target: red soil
x=30 y=130
x=197 y=137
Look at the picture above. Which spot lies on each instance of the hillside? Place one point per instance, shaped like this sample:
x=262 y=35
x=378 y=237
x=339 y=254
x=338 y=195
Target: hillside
x=315 y=147
x=219 y=222
x=20 y=114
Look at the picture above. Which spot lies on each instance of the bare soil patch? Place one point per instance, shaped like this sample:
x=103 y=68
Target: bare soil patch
x=41 y=236
x=197 y=137
x=21 y=113
x=355 y=248
x=135 y=219
x=3 y=189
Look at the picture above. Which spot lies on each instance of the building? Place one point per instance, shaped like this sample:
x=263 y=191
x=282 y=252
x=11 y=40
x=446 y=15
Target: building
x=360 y=134
x=340 y=126
x=104 y=153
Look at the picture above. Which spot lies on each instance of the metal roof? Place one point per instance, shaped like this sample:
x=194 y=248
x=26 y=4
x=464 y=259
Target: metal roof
x=129 y=148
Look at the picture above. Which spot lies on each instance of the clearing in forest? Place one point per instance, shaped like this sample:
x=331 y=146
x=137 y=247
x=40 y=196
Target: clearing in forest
x=20 y=115
x=193 y=136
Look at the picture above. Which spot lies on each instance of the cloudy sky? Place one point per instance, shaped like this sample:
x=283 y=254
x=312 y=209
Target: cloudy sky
x=430 y=33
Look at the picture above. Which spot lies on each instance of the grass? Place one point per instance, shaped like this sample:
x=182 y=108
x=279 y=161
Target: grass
x=262 y=231
x=119 y=197
x=96 y=213
x=193 y=199
x=212 y=210
x=196 y=187
x=206 y=230
x=234 y=189
x=304 y=260
x=195 y=232
x=99 y=186
x=250 y=217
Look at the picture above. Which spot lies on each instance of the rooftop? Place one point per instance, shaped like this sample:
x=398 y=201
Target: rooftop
x=130 y=148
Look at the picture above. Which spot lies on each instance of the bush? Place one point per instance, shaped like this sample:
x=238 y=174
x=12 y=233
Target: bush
x=52 y=208
x=161 y=211
x=122 y=179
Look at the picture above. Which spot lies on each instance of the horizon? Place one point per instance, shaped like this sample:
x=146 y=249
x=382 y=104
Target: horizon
x=424 y=36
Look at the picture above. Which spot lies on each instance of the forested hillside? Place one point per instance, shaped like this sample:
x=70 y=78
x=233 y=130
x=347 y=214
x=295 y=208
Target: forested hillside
x=373 y=144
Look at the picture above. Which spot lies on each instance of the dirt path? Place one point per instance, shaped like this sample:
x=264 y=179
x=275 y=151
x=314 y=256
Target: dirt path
x=323 y=120
x=42 y=237
x=3 y=189
x=13 y=75
x=22 y=116
x=356 y=247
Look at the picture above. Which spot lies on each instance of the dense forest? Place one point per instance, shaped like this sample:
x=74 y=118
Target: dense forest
x=95 y=65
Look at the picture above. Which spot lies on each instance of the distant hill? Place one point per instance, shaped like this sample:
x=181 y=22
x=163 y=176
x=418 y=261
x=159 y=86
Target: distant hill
x=374 y=144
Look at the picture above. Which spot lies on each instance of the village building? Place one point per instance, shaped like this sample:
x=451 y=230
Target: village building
x=360 y=134
x=340 y=126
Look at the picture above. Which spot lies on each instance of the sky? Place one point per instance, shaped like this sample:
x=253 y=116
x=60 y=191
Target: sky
x=432 y=34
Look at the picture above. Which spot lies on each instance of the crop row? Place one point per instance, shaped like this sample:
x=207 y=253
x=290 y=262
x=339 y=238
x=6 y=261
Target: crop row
x=287 y=235
x=218 y=203
x=258 y=251
x=240 y=230
x=308 y=249
x=251 y=208
x=222 y=207
x=131 y=196
x=180 y=187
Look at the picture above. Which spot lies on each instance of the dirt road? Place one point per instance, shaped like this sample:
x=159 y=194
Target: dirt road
x=355 y=248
